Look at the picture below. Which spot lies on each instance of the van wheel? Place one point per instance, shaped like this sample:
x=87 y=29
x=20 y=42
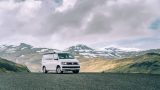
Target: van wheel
x=44 y=70
x=76 y=71
x=58 y=70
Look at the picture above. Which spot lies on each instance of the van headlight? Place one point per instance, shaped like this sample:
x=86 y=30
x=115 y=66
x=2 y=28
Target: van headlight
x=64 y=63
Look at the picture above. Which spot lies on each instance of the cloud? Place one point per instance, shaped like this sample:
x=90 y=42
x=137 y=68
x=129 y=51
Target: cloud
x=66 y=5
x=69 y=22
x=99 y=24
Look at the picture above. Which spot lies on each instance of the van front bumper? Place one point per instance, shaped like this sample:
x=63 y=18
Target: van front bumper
x=70 y=68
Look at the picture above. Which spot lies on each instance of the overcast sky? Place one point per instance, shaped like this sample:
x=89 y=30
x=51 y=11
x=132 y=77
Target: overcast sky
x=97 y=23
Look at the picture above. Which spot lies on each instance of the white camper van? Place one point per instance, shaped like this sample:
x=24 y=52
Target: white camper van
x=60 y=62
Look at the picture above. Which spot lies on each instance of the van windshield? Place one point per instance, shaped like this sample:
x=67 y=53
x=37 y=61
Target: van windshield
x=65 y=56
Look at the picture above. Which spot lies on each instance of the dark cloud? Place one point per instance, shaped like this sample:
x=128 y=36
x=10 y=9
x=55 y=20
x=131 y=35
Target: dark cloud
x=73 y=18
x=99 y=24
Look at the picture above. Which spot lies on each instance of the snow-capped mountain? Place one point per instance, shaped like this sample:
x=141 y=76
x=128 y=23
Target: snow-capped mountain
x=79 y=48
x=23 y=49
x=82 y=50
x=114 y=52
x=24 y=54
x=31 y=56
x=110 y=52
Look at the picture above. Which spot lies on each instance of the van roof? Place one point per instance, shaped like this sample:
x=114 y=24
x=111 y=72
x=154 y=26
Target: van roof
x=55 y=53
x=49 y=53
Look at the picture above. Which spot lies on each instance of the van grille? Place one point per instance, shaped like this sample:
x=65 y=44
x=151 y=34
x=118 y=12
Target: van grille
x=72 y=63
x=70 y=67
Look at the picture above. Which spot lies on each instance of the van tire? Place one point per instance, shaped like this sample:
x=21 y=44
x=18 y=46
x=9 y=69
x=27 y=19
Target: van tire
x=58 y=70
x=76 y=71
x=44 y=70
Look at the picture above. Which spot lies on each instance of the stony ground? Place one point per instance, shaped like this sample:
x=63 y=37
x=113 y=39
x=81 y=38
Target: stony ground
x=82 y=81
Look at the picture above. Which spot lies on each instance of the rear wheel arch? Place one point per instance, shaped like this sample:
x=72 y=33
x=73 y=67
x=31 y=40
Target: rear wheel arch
x=44 y=69
x=43 y=66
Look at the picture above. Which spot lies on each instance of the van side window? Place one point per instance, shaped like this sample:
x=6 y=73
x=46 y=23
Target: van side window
x=48 y=57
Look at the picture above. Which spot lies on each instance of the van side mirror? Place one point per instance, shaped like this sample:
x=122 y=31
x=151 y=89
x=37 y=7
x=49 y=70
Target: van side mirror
x=55 y=57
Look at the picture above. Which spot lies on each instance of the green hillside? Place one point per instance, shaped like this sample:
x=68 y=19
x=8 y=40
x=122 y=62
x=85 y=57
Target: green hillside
x=148 y=63
x=8 y=66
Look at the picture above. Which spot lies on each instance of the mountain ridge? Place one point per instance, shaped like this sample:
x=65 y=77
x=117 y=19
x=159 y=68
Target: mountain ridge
x=31 y=56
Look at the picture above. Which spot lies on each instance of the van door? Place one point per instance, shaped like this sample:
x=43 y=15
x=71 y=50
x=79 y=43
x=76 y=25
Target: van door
x=50 y=62
x=55 y=56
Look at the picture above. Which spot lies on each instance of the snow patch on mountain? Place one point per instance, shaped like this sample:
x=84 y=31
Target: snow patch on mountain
x=23 y=48
x=11 y=50
x=22 y=56
x=108 y=52
x=43 y=50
